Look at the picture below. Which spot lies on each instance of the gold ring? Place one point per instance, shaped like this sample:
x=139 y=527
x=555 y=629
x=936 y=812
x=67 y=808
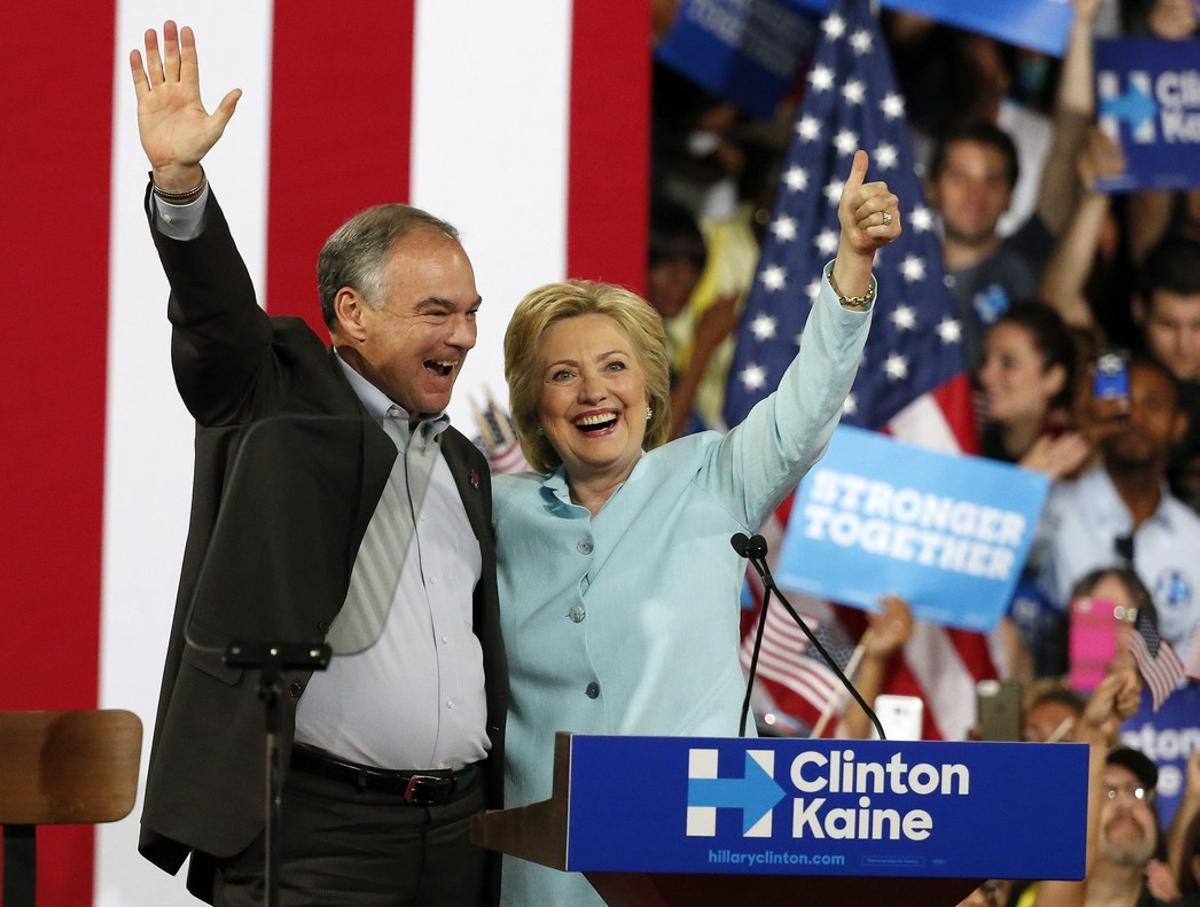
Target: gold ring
x=887 y=218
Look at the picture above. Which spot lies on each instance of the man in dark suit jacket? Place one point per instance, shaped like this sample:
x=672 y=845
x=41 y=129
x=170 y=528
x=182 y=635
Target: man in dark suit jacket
x=395 y=747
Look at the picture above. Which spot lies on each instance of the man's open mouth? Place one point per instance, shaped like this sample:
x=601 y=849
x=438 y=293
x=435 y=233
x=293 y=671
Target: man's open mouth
x=440 y=367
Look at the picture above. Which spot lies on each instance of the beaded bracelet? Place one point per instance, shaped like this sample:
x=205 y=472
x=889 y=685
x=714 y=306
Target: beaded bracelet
x=181 y=198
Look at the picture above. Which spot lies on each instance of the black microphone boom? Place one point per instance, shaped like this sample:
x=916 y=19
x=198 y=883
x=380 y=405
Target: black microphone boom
x=743 y=545
x=755 y=548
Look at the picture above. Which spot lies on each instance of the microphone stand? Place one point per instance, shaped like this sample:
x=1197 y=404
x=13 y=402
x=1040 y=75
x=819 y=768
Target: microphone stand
x=758 y=637
x=271 y=659
x=755 y=550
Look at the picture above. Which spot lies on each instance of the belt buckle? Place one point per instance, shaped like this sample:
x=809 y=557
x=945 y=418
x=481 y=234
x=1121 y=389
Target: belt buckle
x=422 y=789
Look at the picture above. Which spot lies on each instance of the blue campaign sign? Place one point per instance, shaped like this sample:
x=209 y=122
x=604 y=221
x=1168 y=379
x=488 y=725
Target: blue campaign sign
x=1149 y=96
x=827 y=807
x=745 y=51
x=1167 y=736
x=949 y=533
x=1041 y=25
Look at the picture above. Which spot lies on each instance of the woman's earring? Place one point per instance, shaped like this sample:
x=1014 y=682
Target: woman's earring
x=649 y=413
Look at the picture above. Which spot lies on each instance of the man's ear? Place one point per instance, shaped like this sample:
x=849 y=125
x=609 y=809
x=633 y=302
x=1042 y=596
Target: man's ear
x=349 y=309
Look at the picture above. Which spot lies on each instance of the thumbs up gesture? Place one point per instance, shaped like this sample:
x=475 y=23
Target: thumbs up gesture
x=869 y=213
x=870 y=219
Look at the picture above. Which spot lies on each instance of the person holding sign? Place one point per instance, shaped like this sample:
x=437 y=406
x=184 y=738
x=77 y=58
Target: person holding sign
x=619 y=587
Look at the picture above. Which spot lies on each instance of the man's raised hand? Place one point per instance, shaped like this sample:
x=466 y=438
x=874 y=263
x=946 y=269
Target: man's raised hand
x=175 y=129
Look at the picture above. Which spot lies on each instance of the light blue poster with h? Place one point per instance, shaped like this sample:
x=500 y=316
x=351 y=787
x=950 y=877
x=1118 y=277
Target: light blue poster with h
x=949 y=533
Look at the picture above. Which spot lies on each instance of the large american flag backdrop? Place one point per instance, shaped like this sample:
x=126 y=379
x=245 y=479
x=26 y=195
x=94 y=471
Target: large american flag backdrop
x=525 y=124
x=911 y=381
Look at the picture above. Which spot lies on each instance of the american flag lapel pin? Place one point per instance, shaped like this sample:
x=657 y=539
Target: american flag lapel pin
x=473 y=478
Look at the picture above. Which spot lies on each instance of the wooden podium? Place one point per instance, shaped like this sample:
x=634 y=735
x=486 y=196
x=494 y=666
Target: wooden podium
x=542 y=833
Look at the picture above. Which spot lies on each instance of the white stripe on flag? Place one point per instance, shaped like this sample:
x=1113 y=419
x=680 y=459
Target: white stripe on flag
x=148 y=455
x=923 y=423
x=944 y=678
x=492 y=85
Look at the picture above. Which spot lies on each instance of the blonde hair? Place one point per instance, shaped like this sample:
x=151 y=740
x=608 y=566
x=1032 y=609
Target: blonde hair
x=556 y=302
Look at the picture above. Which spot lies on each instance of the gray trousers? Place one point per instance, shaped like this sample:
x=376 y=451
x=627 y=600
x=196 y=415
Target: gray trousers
x=342 y=847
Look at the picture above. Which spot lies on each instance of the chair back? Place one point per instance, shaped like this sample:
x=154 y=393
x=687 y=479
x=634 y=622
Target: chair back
x=61 y=767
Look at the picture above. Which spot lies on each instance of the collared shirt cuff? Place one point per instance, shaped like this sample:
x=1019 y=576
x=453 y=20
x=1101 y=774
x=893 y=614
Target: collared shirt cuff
x=182 y=222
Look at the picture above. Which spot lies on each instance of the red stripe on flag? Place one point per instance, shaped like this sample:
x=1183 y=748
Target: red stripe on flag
x=954 y=400
x=53 y=398
x=340 y=133
x=608 y=167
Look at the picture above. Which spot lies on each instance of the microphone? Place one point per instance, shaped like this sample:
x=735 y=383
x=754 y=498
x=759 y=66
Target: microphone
x=741 y=544
x=758 y=546
x=745 y=547
x=756 y=552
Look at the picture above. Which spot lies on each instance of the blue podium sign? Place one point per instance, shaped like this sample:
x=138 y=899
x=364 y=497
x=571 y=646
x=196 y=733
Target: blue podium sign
x=1149 y=96
x=827 y=807
x=949 y=533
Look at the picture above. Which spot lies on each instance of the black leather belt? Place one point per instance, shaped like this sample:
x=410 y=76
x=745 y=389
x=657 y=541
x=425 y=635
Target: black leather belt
x=426 y=788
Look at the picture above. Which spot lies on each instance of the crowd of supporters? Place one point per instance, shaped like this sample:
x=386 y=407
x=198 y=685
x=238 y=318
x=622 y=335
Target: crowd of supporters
x=1059 y=286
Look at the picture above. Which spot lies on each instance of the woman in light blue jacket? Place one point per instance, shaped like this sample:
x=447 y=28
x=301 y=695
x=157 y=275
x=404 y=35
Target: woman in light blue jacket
x=618 y=585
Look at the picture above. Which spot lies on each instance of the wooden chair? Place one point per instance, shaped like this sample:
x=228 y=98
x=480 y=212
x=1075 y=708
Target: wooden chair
x=61 y=768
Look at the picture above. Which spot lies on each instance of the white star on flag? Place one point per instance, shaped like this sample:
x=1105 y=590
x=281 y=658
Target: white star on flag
x=826 y=242
x=833 y=191
x=886 y=156
x=949 y=330
x=849 y=405
x=784 y=228
x=763 y=327
x=896 y=367
x=834 y=27
x=808 y=128
x=774 y=278
x=861 y=41
x=913 y=268
x=798 y=339
x=796 y=179
x=892 y=105
x=904 y=317
x=753 y=377
x=846 y=141
x=854 y=91
x=813 y=289
x=921 y=219
x=821 y=78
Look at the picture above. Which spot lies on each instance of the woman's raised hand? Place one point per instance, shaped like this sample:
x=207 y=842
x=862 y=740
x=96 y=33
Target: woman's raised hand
x=175 y=129
x=870 y=219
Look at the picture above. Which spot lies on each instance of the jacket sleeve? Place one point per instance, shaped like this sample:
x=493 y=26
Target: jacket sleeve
x=220 y=339
x=759 y=461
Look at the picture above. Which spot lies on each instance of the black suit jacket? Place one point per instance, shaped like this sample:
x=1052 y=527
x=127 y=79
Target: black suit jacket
x=288 y=471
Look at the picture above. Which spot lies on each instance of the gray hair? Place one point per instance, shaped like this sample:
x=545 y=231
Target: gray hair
x=355 y=255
